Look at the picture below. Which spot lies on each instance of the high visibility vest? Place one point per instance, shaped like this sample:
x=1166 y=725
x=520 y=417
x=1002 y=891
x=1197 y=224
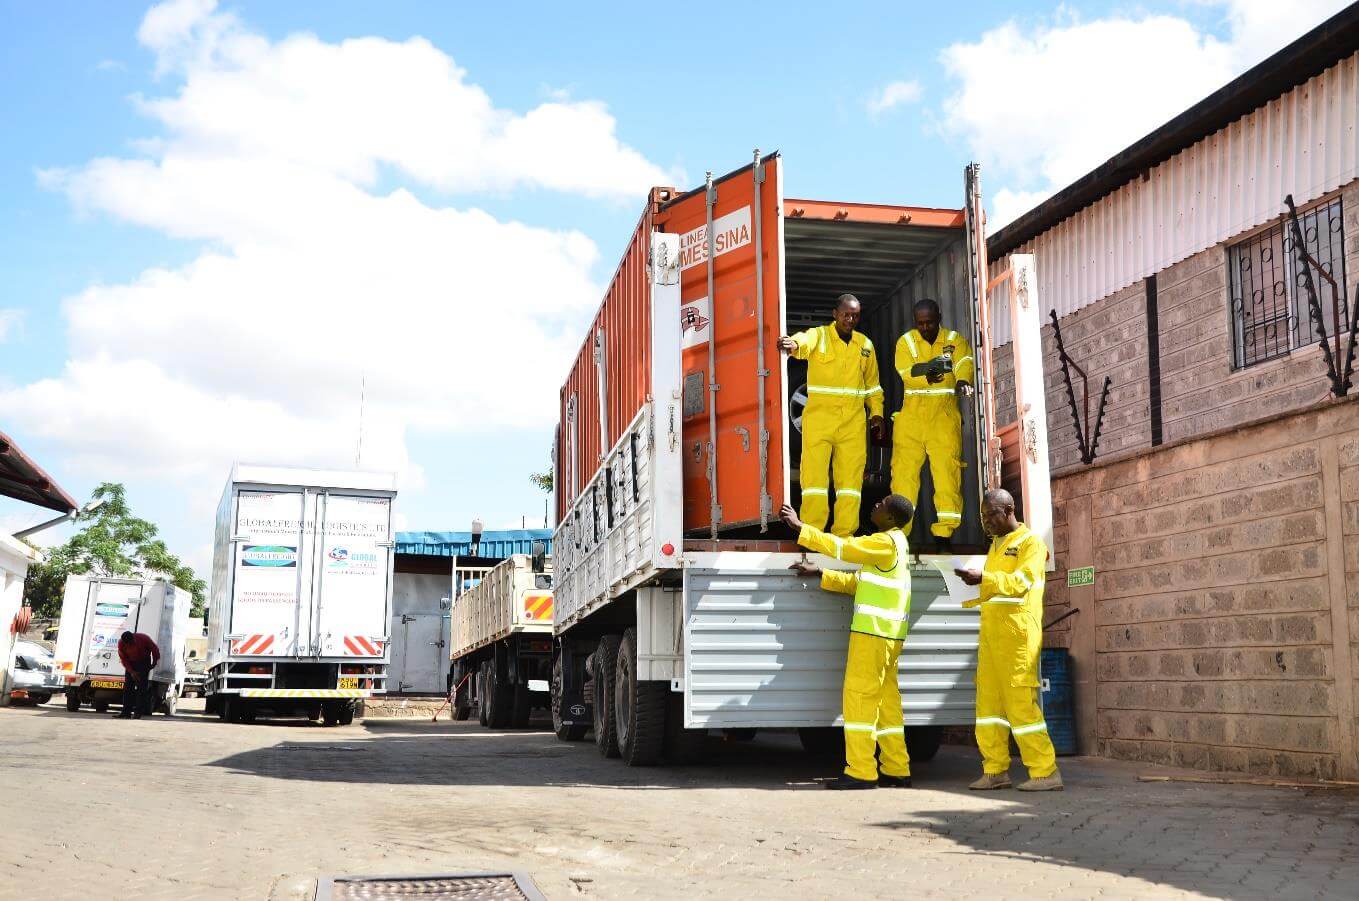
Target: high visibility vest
x=882 y=601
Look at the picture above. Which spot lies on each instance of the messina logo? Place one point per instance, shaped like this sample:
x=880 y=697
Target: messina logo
x=275 y=555
x=692 y=320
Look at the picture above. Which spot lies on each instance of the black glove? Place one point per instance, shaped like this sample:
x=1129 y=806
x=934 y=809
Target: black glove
x=933 y=370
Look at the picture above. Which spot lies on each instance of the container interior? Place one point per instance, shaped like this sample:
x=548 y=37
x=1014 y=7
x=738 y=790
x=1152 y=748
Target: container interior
x=888 y=267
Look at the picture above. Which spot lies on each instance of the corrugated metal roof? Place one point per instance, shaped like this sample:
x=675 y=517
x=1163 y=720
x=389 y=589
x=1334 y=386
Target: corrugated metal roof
x=24 y=480
x=502 y=543
x=1304 y=143
x=1309 y=55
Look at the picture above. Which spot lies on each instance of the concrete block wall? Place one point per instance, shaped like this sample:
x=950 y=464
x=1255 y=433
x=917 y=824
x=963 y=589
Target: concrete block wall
x=1222 y=631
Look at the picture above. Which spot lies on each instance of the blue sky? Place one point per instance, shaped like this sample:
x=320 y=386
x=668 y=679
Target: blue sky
x=218 y=220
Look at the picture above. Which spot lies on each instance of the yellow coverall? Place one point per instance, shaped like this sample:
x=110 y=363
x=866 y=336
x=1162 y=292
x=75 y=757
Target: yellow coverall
x=929 y=424
x=842 y=377
x=872 y=696
x=1007 y=666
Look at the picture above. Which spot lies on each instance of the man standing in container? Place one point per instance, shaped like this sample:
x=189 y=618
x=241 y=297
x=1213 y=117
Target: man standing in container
x=882 y=605
x=139 y=655
x=842 y=379
x=1007 y=656
x=936 y=368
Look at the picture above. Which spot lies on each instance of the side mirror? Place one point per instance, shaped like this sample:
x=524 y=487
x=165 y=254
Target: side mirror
x=539 y=556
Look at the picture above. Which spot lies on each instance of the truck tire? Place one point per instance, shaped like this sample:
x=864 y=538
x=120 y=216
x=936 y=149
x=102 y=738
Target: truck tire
x=826 y=745
x=73 y=700
x=922 y=742
x=565 y=733
x=500 y=694
x=682 y=746
x=605 y=675
x=346 y=714
x=523 y=706
x=482 y=695
x=171 y=702
x=225 y=713
x=462 y=696
x=330 y=714
x=639 y=707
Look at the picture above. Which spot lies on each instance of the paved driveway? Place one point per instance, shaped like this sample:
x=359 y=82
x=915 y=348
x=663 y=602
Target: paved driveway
x=193 y=808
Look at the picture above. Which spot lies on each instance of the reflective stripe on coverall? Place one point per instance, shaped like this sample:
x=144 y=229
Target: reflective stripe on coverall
x=882 y=601
x=1007 y=665
x=842 y=377
x=929 y=424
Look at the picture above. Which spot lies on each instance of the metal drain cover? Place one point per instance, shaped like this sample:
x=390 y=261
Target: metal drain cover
x=441 y=887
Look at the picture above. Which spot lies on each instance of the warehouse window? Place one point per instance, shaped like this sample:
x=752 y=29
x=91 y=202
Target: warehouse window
x=1270 y=316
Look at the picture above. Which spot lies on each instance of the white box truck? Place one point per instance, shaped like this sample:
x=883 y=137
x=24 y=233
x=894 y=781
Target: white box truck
x=502 y=643
x=301 y=593
x=95 y=612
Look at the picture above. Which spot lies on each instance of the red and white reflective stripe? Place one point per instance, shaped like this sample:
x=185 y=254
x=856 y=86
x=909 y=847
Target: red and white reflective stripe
x=253 y=645
x=362 y=646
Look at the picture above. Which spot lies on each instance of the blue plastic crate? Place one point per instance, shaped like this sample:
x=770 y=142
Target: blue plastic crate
x=1058 y=699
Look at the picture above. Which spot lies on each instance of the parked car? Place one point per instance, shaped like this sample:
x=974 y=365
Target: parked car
x=35 y=677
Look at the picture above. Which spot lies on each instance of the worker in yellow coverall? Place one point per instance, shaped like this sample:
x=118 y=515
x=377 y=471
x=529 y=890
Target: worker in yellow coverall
x=1011 y=637
x=882 y=605
x=936 y=368
x=842 y=380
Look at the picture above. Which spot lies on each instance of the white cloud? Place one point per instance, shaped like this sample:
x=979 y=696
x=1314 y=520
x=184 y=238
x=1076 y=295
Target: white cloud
x=312 y=282
x=10 y=323
x=1042 y=104
x=897 y=93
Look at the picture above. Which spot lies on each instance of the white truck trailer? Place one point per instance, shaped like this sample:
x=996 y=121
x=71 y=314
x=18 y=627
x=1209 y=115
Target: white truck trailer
x=501 y=659
x=301 y=593
x=679 y=438
x=95 y=612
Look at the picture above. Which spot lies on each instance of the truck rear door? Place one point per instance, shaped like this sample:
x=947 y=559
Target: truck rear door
x=268 y=606
x=114 y=608
x=731 y=315
x=354 y=562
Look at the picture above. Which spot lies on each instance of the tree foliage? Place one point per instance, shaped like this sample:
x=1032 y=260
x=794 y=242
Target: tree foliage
x=542 y=479
x=110 y=542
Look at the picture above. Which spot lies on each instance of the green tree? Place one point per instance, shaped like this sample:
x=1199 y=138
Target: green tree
x=110 y=542
x=542 y=479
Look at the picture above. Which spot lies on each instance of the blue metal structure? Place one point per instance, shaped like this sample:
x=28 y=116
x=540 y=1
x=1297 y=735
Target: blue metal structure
x=494 y=544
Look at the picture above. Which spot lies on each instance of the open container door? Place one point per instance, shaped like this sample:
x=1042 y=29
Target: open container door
x=731 y=314
x=989 y=455
x=114 y=608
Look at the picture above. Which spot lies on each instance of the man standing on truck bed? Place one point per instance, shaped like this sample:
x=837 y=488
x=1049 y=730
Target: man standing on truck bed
x=139 y=655
x=936 y=367
x=842 y=378
x=882 y=603
x=1007 y=655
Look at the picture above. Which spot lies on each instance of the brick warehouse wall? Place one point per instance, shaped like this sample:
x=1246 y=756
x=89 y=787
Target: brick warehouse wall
x=1223 y=621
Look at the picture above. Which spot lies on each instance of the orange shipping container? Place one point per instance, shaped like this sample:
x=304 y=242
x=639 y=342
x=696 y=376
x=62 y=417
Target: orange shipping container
x=753 y=265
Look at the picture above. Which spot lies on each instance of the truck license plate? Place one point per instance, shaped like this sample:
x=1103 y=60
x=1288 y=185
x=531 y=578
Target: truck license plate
x=103 y=683
x=349 y=682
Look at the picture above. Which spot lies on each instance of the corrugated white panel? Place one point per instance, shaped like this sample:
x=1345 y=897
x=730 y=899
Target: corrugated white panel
x=1304 y=143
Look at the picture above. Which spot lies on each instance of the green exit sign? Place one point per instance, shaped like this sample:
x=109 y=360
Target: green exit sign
x=1075 y=578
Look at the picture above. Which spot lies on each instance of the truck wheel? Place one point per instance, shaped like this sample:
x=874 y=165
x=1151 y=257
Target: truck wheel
x=482 y=695
x=565 y=733
x=605 y=675
x=73 y=700
x=827 y=745
x=39 y=698
x=682 y=746
x=640 y=708
x=330 y=714
x=314 y=712
x=922 y=742
x=346 y=716
x=462 y=698
x=225 y=713
x=500 y=693
x=171 y=702
x=245 y=713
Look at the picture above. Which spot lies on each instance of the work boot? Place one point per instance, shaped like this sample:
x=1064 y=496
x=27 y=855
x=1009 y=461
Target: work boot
x=849 y=783
x=122 y=716
x=1050 y=783
x=990 y=782
x=886 y=781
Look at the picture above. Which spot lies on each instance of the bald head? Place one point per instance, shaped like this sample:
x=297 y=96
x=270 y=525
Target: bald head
x=998 y=512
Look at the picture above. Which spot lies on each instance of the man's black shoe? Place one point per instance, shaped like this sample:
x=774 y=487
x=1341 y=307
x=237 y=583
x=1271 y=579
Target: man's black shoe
x=849 y=783
x=122 y=716
x=136 y=716
x=886 y=781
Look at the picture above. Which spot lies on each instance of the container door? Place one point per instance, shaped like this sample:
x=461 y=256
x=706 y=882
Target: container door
x=988 y=446
x=354 y=563
x=731 y=315
x=267 y=609
x=114 y=608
